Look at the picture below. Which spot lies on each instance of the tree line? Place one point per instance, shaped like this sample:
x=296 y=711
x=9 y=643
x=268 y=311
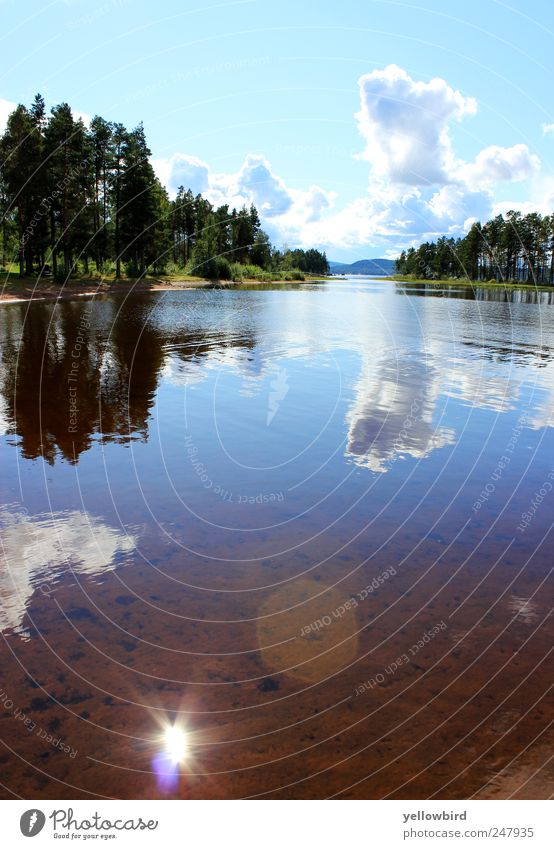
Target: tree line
x=509 y=248
x=74 y=198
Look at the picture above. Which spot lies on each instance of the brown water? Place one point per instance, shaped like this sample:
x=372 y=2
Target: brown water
x=289 y=522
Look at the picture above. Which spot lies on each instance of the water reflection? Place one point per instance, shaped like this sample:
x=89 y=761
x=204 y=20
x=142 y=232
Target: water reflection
x=37 y=550
x=392 y=416
x=74 y=370
x=477 y=293
x=78 y=371
x=238 y=453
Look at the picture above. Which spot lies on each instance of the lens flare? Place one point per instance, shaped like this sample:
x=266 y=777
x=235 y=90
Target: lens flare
x=175 y=744
x=174 y=753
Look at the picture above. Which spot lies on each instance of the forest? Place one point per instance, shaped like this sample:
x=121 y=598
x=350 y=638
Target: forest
x=83 y=200
x=511 y=248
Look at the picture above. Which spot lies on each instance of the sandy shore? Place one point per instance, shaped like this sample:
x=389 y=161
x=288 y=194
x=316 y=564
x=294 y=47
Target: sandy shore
x=50 y=291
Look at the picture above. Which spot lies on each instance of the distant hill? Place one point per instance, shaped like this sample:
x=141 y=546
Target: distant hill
x=364 y=266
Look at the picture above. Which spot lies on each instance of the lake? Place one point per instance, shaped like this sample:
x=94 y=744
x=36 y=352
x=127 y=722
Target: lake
x=312 y=526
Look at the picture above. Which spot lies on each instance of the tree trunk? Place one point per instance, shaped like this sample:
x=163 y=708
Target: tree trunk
x=117 y=240
x=67 y=261
x=3 y=242
x=28 y=260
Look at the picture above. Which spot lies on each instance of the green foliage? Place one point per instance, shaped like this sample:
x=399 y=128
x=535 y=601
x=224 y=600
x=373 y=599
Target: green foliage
x=223 y=269
x=24 y=186
x=311 y=261
x=204 y=254
x=509 y=248
x=252 y=272
x=133 y=268
x=237 y=272
x=72 y=196
x=108 y=267
x=173 y=268
x=260 y=253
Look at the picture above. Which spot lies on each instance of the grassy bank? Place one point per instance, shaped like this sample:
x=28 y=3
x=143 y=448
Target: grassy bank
x=15 y=288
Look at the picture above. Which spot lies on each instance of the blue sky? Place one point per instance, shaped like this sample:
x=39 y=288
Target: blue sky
x=257 y=100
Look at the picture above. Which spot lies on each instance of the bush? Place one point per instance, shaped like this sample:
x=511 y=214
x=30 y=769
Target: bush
x=173 y=268
x=132 y=268
x=108 y=268
x=252 y=272
x=224 y=271
x=237 y=272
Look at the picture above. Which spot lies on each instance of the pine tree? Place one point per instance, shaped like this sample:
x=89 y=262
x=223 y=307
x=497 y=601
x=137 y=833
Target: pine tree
x=138 y=201
x=101 y=137
x=21 y=155
x=117 y=163
x=204 y=255
x=69 y=185
x=68 y=194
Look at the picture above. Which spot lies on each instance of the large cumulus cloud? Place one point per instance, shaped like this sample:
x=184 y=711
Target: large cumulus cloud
x=405 y=124
x=417 y=187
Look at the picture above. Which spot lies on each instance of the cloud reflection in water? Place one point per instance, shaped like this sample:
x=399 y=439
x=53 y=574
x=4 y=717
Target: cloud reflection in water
x=37 y=549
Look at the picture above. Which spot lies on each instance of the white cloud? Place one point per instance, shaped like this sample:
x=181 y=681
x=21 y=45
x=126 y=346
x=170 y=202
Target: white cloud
x=257 y=181
x=285 y=211
x=405 y=125
x=6 y=107
x=453 y=205
x=418 y=188
x=316 y=201
x=548 y=129
x=389 y=213
x=496 y=164
x=183 y=170
x=84 y=116
x=523 y=206
x=396 y=216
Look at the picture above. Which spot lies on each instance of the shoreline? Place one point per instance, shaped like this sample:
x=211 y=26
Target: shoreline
x=22 y=293
x=89 y=287
x=472 y=284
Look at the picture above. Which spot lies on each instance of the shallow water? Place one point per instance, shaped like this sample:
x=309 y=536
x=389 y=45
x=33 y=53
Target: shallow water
x=312 y=526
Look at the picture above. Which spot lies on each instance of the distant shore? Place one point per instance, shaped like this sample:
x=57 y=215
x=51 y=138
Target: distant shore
x=472 y=284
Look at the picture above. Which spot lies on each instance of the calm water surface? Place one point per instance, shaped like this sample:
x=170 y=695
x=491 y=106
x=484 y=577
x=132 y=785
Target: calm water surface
x=312 y=526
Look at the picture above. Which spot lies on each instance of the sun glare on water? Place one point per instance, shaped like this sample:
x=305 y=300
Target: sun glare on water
x=175 y=744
